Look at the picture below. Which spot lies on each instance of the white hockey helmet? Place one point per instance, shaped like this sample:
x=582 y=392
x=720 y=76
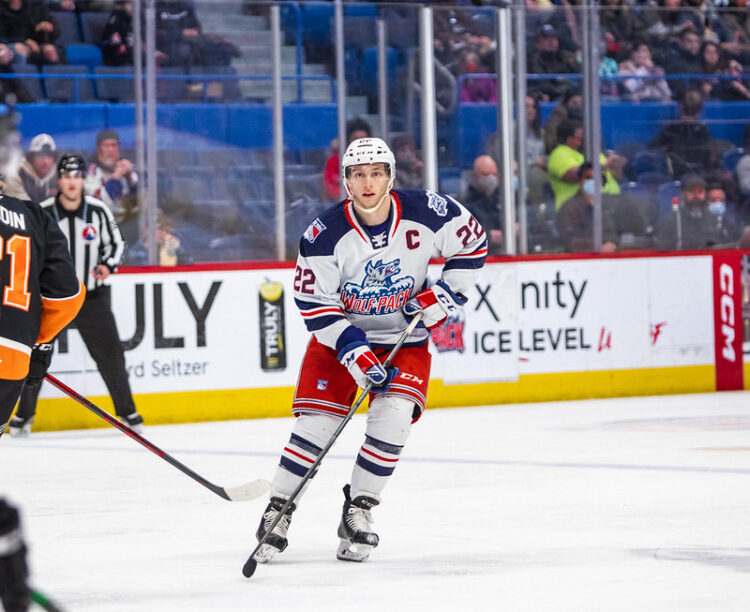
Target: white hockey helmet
x=368 y=151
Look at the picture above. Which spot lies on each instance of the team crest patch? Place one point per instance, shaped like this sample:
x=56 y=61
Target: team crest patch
x=89 y=233
x=437 y=203
x=322 y=384
x=314 y=230
x=382 y=291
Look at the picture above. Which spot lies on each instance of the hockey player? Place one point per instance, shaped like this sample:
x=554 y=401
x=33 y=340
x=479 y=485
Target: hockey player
x=96 y=246
x=362 y=267
x=41 y=293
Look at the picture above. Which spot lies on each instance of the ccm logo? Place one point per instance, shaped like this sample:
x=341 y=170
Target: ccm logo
x=407 y=376
x=726 y=308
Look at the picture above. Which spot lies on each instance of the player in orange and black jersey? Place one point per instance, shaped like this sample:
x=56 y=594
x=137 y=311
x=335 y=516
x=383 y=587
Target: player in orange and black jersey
x=39 y=290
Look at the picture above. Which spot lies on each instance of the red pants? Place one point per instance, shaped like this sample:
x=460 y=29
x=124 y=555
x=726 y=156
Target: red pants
x=325 y=386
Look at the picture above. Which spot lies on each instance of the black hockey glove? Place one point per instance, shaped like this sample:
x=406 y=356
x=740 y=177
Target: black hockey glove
x=41 y=356
x=14 y=593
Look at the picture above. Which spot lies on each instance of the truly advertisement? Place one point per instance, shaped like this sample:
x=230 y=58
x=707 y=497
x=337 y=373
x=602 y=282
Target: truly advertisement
x=579 y=315
x=194 y=331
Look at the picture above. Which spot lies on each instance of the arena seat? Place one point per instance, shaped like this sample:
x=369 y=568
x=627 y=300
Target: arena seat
x=84 y=54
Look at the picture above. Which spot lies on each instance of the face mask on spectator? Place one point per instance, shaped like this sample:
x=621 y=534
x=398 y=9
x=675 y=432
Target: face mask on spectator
x=488 y=183
x=717 y=207
x=470 y=67
x=588 y=186
x=515 y=182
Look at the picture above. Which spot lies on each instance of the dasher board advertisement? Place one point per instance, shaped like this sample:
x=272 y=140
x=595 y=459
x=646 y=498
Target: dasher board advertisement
x=240 y=329
x=577 y=315
x=194 y=331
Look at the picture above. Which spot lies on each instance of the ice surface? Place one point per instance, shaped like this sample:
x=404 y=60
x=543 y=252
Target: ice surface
x=615 y=505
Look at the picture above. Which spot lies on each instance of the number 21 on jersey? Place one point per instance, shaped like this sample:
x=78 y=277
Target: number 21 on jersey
x=16 y=291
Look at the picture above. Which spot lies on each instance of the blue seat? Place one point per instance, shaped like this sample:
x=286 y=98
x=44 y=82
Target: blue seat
x=70 y=30
x=60 y=89
x=730 y=158
x=84 y=55
x=115 y=83
x=92 y=26
x=650 y=161
x=666 y=193
x=29 y=76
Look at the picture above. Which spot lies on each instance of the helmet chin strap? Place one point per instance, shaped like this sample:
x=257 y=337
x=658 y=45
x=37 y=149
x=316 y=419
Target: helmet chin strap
x=371 y=211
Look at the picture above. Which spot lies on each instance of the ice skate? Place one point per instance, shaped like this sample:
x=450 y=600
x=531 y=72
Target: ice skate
x=355 y=529
x=134 y=421
x=20 y=427
x=276 y=541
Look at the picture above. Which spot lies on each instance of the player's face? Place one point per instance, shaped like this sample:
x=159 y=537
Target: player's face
x=71 y=185
x=368 y=184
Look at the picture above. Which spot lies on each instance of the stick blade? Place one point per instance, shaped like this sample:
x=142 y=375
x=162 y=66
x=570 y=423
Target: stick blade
x=251 y=490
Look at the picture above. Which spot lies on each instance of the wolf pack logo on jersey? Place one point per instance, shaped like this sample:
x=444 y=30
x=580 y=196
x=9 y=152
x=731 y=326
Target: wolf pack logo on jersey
x=89 y=233
x=450 y=335
x=381 y=291
x=437 y=203
x=314 y=230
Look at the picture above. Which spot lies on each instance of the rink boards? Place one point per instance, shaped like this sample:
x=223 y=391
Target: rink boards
x=225 y=342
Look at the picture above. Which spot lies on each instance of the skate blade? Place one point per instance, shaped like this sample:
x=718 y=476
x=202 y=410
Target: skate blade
x=265 y=553
x=20 y=432
x=348 y=551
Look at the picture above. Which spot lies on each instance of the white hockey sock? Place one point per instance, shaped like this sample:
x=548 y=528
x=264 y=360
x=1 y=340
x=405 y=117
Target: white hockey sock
x=388 y=427
x=310 y=434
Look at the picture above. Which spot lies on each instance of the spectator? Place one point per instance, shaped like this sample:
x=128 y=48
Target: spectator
x=711 y=64
x=575 y=223
x=485 y=202
x=37 y=175
x=690 y=225
x=568 y=168
x=180 y=38
x=171 y=252
x=728 y=224
x=547 y=58
x=735 y=88
x=536 y=160
x=618 y=27
x=355 y=129
x=684 y=58
x=29 y=29
x=742 y=173
x=687 y=142
x=570 y=107
x=640 y=64
x=117 y=37
x=663 y=20
x=11 y=89
x=178 y=33
x=482 y=89
x=736 y=31
x=112 y=179
x=410 y=165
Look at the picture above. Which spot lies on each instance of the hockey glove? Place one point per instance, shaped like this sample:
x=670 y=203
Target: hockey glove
x=41 y=357
x=436 y=303
x=365 y=367
x=14 y=593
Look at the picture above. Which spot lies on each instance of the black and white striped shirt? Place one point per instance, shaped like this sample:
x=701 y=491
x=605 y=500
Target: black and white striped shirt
x=93 y=236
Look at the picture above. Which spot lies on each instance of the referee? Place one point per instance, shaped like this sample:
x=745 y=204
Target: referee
x=97 y=247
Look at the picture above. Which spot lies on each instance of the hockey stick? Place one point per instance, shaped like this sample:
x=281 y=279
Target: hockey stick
x=251 y=564
x=245 y=492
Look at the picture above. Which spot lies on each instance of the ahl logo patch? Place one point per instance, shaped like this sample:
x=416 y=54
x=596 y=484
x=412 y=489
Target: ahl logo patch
x=437 y=203
x=315 y=229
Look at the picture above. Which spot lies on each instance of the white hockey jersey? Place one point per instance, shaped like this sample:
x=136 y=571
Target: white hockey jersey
x=349 y=274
